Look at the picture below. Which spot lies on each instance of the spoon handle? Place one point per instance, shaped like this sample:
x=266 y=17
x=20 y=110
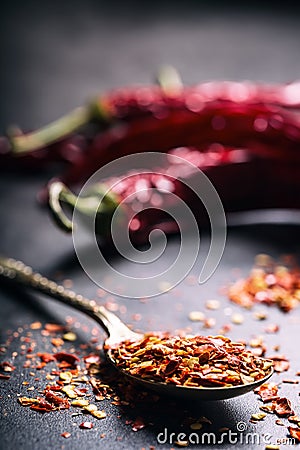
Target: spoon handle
x=24 y=275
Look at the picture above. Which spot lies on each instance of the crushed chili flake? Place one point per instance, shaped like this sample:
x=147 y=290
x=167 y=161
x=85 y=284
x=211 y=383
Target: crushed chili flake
x=283 y=407
x=196 y=316
x=272 y=328
x=210 y=322
x=4 y=377
x=281 y=363
x=54 y=327
x=86 y=425
x=57 y=342
x=191 y=361
x=46 y=357
x=279 y=422
x=35 y=325
x=267 y=392
x=295 y=432
x=295 y=419
x=66 y=435
x=59 y=402
x=258 y=416
x=267 y=408
x=269 y=283
x=138 y=424
x=92 y=359
x=70 y=336
x=6 y=366
x=212 y=304
x=66 y=357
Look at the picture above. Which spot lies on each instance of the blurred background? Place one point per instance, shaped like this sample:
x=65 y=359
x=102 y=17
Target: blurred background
x=57 y=54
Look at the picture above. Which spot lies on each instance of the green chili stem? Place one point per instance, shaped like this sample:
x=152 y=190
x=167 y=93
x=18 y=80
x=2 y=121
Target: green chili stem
x=97 y=203
x=169 y=80
x=60 y=128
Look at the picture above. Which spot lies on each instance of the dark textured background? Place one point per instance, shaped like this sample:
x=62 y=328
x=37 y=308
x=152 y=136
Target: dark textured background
x=55 y=55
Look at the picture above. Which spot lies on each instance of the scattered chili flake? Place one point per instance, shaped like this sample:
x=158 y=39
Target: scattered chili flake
x=237 y=319
x=190 y=361
x=196 y=426
x=290 y=381
x=98 y=414
x=46 y=357
x=70 y=336
x=272 y=284
x=66 y=377
x=66 y=435
x=54 y=327
x=6 y=366
x=138 y=424
x=42 y=406
x=279 y=422
x=210 y=322
x=295 y=419
x=258 y=416
x=281 y=363
x=267 y=408
x=80 y=402
x=196 y=316
x=92 y=359
x=295 y=432
x=267 y=392
x=86 y=425
x=182 y=443
x=260 y=315
x=272 y=328
x=56 y=400
x=57 y=342
x=283 y=407
x=4 y=377
x=67 y=357
x=70 y=391
x=35 y=325
x=212 y=304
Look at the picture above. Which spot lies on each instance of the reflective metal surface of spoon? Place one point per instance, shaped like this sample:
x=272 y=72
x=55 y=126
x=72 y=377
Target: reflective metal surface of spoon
x=117 y=331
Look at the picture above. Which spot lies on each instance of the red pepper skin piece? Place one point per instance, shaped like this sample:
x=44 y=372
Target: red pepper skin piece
x=66 y=357
x=57 y=401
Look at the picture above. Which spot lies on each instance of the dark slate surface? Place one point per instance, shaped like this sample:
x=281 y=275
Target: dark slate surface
x=53 y=57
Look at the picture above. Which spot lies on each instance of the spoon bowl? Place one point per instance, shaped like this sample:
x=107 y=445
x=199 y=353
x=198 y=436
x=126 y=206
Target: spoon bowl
x=117 y=332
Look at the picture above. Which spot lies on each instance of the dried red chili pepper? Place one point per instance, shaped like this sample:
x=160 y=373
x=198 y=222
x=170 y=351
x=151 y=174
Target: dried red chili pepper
x=218 y=119
x=231 y=172
x=136 y=102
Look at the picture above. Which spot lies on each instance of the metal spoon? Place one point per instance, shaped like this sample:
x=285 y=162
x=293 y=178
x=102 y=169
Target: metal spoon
x=117 y=332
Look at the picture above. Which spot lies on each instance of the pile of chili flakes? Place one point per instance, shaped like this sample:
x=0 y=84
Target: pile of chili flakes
x=270 y=283
x=198 y=361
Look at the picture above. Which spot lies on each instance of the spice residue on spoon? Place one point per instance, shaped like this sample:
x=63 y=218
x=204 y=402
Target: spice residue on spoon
x=198 y=361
